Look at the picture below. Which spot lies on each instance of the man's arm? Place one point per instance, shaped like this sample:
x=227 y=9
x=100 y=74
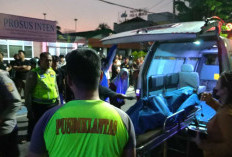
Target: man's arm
x=224 y=121
x=130 y=147
x=208 y=98
x=10 y=96
x=110 y=58
x=30 y=85
x=105 y=92
x=57 y=90
x=22 y=68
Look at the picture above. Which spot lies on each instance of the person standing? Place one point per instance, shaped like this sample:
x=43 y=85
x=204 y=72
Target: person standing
x=126 y=64
x=10 y=103
x=120 y=84
x=136 y=68
x=41 y=91
x=62 y=61
x=22 y=67
x=86 y=126
x=12 y=64
x=60 y=77
x=218 y=142
x=115 y=69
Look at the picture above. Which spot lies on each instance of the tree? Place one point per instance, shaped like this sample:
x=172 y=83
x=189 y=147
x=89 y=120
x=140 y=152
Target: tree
x=137 y=54
x=59 y=34
x=103 y=26
x=193 y=10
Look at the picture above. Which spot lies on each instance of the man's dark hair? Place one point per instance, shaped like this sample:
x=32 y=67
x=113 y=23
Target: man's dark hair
x=84 y=68
x=55 y=58
x=33 y=61
x=44 y=54
x=19 y=51
x=15 y=54
x=61 y=56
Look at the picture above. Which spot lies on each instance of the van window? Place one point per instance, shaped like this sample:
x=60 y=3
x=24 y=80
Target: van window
x=211 y=59
x=165 y=65
x=193 y=61
x=209 y=71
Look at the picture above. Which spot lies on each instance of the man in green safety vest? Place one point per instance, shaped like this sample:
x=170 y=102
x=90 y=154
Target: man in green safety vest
x=41 y=91
x=85 y=126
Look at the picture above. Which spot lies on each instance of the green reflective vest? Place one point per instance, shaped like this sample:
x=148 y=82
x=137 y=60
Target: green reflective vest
x=45 y=90
x=90 y=128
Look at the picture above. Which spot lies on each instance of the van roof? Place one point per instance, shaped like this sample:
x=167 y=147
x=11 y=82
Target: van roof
x=174 y=31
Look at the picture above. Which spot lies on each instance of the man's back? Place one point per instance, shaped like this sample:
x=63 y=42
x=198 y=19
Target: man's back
x=85 y=128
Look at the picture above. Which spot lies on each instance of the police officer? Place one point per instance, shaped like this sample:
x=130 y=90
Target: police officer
x=86 y=126
x=41 y=91
x=10 y=103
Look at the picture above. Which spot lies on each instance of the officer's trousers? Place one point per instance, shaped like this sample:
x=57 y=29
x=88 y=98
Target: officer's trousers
x=37 y=111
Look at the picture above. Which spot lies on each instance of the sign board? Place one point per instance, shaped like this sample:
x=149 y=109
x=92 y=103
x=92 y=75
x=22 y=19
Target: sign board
x=138 y=12
x=24 y=28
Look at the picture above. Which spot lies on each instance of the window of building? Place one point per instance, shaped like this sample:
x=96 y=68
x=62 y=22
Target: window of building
x=69 y=50
x=13 y=49
x=63 y=51
x=3 y=49
x=28 y=51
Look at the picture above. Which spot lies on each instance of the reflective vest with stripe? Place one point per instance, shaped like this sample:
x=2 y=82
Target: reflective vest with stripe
x=91 y=128
x=45 y=90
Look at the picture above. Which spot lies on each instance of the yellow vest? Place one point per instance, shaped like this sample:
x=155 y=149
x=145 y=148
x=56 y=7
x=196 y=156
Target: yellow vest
x=86 y=128
x=45 y=90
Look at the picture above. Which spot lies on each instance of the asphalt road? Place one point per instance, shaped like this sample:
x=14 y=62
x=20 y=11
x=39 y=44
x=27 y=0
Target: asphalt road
x=23 y=122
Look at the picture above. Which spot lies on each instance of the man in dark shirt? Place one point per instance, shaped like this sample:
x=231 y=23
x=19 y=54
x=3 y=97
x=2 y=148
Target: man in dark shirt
x=21 y=67
x=60 y=77
x=12 y=64
x=126 y=64
x=115 y=69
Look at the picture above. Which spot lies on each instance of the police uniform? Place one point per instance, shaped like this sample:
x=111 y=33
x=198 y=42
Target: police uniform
x=98 y=129
x=41 y=94
x=10 y=103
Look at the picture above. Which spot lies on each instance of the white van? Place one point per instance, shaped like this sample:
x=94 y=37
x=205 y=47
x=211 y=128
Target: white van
x=183 y=54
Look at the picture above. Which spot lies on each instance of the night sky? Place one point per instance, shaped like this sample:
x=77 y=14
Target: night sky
x=90 y=13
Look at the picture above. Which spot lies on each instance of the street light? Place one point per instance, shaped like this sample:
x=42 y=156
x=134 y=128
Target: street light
x=44 y=15
x=75 y=24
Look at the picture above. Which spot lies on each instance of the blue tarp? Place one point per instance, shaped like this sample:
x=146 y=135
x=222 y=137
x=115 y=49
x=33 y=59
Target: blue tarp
x=150 y=113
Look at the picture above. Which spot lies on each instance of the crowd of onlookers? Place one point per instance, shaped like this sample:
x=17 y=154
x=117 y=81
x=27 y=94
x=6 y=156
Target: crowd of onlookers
x=19 y=67
x=48 y=82
x=49 y=78
x=131 y=64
